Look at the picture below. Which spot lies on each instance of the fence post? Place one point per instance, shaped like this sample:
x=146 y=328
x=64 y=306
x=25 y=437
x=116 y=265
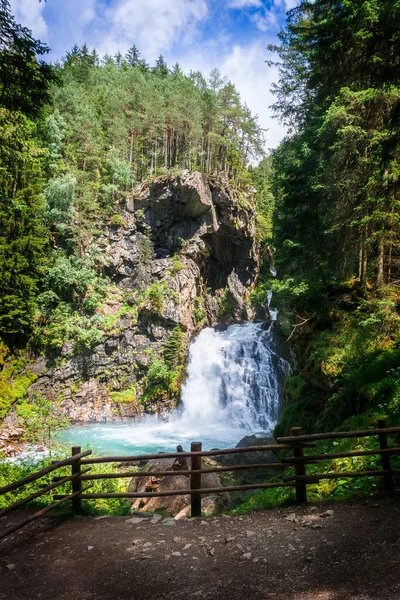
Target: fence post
x=385 y=457
x=300 y=469
x=76 y=483
x=195 y=480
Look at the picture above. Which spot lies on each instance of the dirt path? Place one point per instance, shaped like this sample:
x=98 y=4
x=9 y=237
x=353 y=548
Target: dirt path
x=352 y=554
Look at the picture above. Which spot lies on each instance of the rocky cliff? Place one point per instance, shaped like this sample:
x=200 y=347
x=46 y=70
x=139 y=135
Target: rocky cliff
x=181 y=255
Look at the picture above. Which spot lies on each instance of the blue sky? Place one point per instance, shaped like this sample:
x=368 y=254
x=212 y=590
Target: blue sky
x=231 y=35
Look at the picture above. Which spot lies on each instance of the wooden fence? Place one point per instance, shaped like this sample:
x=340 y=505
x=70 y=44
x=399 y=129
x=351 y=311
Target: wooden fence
x=296 y=444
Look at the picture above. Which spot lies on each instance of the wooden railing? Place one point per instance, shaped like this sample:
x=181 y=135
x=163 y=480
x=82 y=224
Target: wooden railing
x=74 y=477
x=296 y=443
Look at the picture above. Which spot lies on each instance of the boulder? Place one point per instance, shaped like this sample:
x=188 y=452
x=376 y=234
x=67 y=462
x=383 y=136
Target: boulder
x=176 y=506
x=252 y=458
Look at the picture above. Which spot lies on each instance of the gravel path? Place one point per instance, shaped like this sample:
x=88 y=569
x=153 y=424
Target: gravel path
x=337 y=551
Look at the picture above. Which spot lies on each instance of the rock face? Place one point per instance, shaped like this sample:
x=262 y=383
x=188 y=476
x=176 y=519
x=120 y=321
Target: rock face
x=183 y=258
x=176 y=506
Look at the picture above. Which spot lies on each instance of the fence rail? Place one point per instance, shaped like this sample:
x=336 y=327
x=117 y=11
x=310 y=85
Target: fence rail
x=296 y=443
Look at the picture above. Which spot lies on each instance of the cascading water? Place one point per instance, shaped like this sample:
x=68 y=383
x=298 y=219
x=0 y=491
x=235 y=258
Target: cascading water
x=232 y=390
x=234 y=379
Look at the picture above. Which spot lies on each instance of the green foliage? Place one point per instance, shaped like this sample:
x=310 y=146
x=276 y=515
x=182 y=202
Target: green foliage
x=164 y=376
x=157 y=293
x=60 y=197
x=13 y=471
x=200 y=312
x=40 y=418
x=22 y=233
x=177 y=266
x=174 y=348
x=261 y=179
x=226 y=305
x=67 y=324
x=15 y=379
x=24 y=80
x=117 y=220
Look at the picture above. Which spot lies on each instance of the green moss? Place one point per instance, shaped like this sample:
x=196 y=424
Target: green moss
x=117 y=220
x=124 y=396
x=177 y=266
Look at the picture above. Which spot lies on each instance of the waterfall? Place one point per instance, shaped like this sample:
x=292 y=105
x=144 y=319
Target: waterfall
x=232 y=390
x=234 y=378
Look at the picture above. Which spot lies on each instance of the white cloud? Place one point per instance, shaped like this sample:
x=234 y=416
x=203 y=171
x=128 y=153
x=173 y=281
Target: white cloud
x=289 y=4
x=29 y=14
x=246 y=68
x=266 y=21
x=244 y=4
x=153 y=25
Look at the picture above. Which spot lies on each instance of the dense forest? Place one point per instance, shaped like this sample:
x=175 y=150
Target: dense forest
x=76 y=138
x=336 y=182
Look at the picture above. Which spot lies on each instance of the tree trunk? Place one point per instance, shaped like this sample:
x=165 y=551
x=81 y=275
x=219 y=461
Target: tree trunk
x=380 y=279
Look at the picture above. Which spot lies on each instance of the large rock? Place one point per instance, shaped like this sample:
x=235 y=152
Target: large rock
x=176 y=506
x=252 y=458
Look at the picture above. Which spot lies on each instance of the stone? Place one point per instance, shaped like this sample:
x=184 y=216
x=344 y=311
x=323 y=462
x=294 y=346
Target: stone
x=156 y=519
x=327 y=513
x=11 y=566
x=292 y=517
x=135 y=520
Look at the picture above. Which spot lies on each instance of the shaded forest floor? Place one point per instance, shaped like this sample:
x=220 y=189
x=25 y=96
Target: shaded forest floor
x=304 y=553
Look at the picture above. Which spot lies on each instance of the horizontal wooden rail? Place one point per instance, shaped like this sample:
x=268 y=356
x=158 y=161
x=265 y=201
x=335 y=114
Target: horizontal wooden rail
x=9 y=530
x=41 y=492
x=218 y=490
x=312 y=437
x=296 y=443
x=53 y=467
x=142 y=457
x=180 y=472
x=312 y=458
x=317 y=477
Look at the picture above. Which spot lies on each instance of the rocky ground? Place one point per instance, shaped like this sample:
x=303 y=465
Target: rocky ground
x=337 y=551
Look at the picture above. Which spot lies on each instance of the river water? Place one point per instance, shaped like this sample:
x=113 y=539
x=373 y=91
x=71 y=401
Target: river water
x=232 y=389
